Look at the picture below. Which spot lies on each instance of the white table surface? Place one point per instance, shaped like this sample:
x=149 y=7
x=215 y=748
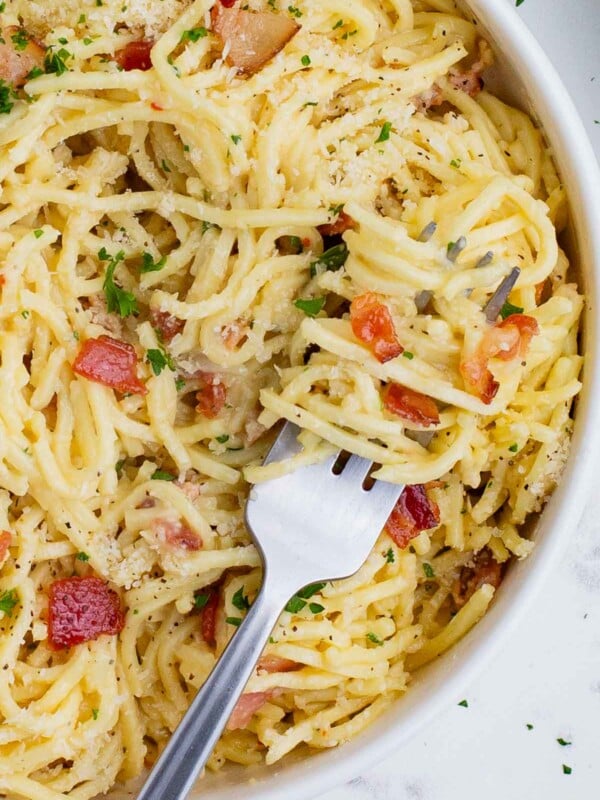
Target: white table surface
x=549 y=673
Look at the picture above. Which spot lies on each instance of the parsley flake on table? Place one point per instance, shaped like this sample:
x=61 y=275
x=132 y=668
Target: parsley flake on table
x=464 y=704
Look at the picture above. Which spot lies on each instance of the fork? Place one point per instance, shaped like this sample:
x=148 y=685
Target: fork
x=320 y=521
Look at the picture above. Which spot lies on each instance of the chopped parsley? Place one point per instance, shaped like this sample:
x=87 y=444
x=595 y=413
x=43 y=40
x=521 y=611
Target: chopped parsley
x=305 y=60
x=240 y=600
x=193 y=35
x=563 y=742
x=117 y=299
x=372 y=637
x=162 y=475
x=119 y=467
x=38 y=232
x=338 y=24
x=180 y=384
x=384 y=133
x=514 y=447
x=95 y=712
x=20 y=39
x=428 y=570
x=295 y=12
x=7 y=95
x=8 y=600
x=35 y=73
x=165 y=166
x=464 y=704
x=519 y=3
x=408 y=354
x=335 y=211
x=566 y=769
x=236 y=621
x=56 y=62
x=158 y=360
x=330 y=261
x=223 y=438
x=298 y=601
x=150 y=265
x=389 y=556
x=529 y=726
x=508 y=310
x=236 y=138
x=316 y=608
x=81 y=556
x=200 y=600
x=295 y=604
x=456 y=162
x=310 y=306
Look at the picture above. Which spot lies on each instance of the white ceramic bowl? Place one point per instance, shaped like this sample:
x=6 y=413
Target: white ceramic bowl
x=525 y=77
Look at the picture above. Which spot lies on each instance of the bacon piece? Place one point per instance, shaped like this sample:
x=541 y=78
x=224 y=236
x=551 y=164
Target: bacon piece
x=414 y=512
x=343 y=223
x=485 y=569
x=234 y=333
x=5 y=541
x=209 y=616
x=372 y=323
x=470 y=80
x=176 y=534
x=410 y=405
x=253 y=37
x=110 y=362
x=82 y=609
x=135 y=55
x=505 y=340
x=246 y=707
x=100 y=314
x=16 y=63
x=272 y=664
x=166 y=324
x=212 y=396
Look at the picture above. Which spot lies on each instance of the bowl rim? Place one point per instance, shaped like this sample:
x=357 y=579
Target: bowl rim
x=576 y=159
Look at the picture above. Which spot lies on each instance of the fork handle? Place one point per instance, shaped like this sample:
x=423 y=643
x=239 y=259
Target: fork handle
x=193 y=741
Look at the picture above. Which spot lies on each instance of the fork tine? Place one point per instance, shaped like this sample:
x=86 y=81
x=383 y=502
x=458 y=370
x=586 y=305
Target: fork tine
x=285 y=445
x=356 y=469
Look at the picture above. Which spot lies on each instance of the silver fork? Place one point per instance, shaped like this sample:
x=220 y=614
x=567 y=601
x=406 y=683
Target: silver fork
x=309 y=525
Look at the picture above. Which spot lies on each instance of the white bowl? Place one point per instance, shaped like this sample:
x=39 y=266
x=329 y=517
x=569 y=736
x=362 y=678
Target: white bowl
x=526 y=78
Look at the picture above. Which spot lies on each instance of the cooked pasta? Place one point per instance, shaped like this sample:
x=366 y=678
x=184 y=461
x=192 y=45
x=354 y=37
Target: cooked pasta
x=212 y=219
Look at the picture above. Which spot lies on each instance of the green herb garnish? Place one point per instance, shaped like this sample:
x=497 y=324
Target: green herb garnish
x=8 y=600
x=237 y=621
x=117 y=300
x=150 y=265
x=158 y=360
x=372 y=637
x=330 y=261
x=464 y=704
x=81 y=556
x=508 y=310
x=428 y=570
x=162 y=475
x=384 y=133
x=193 y=35
x=240 y=600
x=310 y=306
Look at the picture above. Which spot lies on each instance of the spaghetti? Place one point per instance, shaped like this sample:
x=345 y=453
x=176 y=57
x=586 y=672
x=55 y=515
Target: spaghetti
x=213 y=218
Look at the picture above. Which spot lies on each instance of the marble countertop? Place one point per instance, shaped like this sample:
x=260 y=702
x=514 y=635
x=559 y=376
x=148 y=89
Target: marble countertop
x=548 y=675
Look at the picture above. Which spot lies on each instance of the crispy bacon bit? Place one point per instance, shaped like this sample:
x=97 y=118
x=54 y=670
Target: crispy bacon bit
x=135 y=55
x=246 y=707
x=372 y=323
x=414 y=512
x=211 y=398
x=485 y=569
x=343 y=223
x=166 y=324
x=410 y=405
x=543 y=290
x=110 y=362
x=176 y=534
x=253 y=37
x=209 y=616
x=272 y=664
x=505 y=340
x=234 y=333
x=5 y=541
x=16 y=63
x=80 y=610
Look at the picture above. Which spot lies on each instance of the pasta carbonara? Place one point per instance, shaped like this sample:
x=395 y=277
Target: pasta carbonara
x=214 y=217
